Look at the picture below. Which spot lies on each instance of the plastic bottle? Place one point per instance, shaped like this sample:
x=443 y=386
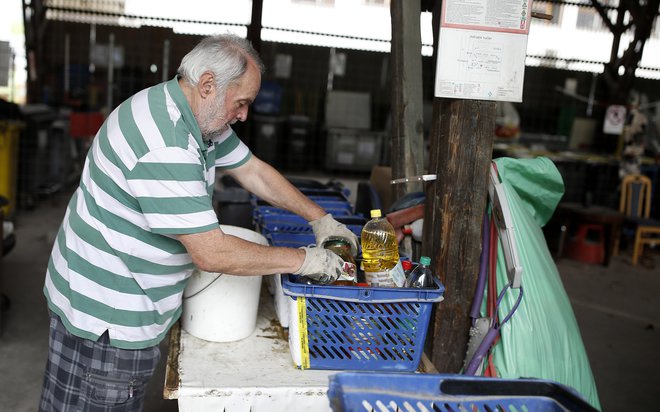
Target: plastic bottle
x=380 y=252
x=421 y=276
x=407 y=267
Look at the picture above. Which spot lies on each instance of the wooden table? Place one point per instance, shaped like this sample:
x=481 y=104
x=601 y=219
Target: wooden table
x=255 y=374
x=572 y=214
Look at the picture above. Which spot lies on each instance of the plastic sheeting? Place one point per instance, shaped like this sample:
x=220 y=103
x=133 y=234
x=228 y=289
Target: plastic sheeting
x=542 y=339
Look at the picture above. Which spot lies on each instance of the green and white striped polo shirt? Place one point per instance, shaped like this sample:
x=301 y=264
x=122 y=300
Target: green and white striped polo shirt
x=116 y=264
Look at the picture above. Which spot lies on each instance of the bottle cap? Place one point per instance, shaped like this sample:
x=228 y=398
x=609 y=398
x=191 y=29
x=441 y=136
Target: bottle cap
x=406 y=264
x=375 y=213
x=425 y=260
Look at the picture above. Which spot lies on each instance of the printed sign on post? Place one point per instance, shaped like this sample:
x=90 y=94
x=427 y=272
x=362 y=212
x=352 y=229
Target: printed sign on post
x=482 y=49
x=615 y=118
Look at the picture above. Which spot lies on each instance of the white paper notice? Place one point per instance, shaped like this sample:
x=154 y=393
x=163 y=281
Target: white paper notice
x=482 y=48
x=615 y=117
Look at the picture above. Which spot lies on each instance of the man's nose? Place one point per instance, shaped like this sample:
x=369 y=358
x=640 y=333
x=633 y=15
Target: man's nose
x=242 y=114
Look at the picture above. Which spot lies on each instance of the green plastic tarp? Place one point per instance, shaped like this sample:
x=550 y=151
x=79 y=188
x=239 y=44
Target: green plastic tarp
x=542 y=338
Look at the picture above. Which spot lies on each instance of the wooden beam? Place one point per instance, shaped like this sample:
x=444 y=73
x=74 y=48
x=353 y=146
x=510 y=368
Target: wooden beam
x=603 y=14
x=34 y=23
x=461 y=151
x=407 y=141
x=254 y=29
x=640 y=19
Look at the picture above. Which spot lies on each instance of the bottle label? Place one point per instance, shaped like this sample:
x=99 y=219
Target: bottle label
x=398 y=275
x=394 y=277
x=380 y=279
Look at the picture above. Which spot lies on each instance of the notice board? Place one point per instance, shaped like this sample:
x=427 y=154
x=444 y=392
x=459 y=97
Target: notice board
x=481 y=49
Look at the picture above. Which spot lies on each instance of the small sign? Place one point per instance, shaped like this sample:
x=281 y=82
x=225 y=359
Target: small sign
x=5 y=63
x=615 y=118
x=283 y=63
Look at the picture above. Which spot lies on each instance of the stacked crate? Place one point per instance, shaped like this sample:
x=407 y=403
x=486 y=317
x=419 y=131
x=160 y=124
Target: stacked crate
x=283 y=228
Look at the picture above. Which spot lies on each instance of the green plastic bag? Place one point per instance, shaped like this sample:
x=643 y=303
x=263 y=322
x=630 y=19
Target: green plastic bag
x=542 y=339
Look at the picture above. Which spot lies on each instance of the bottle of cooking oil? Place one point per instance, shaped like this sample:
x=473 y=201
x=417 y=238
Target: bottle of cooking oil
x=380 y=253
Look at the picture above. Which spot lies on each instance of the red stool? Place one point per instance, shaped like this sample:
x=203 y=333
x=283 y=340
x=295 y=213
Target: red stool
x=588 y=244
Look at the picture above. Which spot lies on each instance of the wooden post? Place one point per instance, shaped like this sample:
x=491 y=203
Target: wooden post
x=407 y=141
x=254 y=29
x=461 y=151
x=461 y=146
x=34 y=22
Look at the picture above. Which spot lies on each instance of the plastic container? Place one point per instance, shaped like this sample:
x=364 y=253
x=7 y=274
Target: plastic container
x=407 y=267
x=34 y=149
x=219 y=307
x=380 y=252
x=10 y=132
x=335 y=208
x=358 y=328
x=285 y=239
x=289 y=230
x=361 y=391
x=421 y=276
x=295 y=224
x=588 y=244
x=291 y=239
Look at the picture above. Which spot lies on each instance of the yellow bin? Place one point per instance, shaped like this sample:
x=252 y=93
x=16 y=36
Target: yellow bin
x=10 y=132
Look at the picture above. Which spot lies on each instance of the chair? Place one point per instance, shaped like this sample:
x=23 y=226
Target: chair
x=635 y=203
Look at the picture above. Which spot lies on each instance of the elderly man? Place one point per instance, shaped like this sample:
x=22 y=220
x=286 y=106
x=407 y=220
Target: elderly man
x=142 y=218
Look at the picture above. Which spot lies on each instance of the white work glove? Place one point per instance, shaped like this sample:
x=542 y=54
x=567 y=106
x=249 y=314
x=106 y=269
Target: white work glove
x=327 y=227
x=321 y=265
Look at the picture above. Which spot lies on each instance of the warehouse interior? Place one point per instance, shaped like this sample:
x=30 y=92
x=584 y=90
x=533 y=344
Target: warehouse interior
x=324 y=113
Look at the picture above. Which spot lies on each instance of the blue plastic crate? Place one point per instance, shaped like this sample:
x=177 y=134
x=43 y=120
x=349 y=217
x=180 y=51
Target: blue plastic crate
x=259 y=212
x=290 y=239
x=314 y=194
x=358 y=328
x=326 y=193
x=295 y=224
x=366 y=392
x=287 y=224
x=327 y=200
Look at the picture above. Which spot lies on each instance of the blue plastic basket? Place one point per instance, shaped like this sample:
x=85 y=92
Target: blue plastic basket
x=295 y=224
x=285 y=239
x=366 y=392
x=359 y=328
x=326 y=193
x=334 y=208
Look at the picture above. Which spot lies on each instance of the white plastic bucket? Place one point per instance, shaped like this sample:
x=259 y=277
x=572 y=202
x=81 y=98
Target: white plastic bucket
x=219 y=307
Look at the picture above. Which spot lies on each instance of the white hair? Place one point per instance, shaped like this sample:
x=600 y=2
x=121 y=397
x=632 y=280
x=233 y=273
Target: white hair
x=225 y=55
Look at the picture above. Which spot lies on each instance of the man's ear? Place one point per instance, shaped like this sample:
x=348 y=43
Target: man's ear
x=206 y=84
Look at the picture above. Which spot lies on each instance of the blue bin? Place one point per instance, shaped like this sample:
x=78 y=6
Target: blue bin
x=290 y=239
x=359 y=328
x=362 y=391
x=269 y=223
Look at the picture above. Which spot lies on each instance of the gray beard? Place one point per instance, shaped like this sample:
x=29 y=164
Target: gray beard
x=209 y=134
x=209 y=113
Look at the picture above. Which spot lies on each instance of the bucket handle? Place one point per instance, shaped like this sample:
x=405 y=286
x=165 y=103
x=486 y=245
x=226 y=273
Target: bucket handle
x=204 y=288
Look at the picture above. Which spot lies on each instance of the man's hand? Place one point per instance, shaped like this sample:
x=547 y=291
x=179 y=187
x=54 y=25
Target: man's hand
x=327 y=227
x=321 y=265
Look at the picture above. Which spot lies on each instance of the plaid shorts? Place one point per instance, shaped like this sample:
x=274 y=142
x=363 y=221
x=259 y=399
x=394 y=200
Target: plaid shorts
x=92 y=376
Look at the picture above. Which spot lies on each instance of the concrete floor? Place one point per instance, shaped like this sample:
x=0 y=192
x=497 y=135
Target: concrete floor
x=617 y=308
